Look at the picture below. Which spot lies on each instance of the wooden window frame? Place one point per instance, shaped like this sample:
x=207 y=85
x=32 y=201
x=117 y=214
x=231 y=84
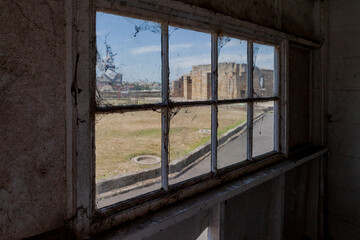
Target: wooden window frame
x=81 y=109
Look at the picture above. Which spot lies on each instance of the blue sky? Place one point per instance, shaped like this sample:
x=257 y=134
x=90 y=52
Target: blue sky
x=138 y=47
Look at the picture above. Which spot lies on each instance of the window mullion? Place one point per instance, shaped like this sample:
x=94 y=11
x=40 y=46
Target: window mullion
x=165 y=121
x=285 y=97
x=214 y=94
x=250 y=104
x=277 y=103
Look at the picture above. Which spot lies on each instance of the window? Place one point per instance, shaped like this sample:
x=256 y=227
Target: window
x=178 y=105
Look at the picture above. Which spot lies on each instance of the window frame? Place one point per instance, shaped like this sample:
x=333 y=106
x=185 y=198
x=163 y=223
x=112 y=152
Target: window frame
x=166 y=105
x=81 y=89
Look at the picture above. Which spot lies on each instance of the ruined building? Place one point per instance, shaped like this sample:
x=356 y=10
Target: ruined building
x=232 y=78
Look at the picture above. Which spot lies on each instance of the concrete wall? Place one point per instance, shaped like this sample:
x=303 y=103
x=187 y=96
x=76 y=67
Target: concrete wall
x=32 y=106
x=32 y=119
x=343 y=120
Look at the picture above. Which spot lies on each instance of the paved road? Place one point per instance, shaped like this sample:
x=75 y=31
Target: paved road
x=235 y=150
x=232 y=152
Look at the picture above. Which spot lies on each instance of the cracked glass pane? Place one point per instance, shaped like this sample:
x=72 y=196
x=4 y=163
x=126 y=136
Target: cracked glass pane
x=263 y=73
x=190 y=142
x=231 y=134
x=128 y=145
x=128 y=67
x=263 y=128
x=232 y=68
x=189 y=65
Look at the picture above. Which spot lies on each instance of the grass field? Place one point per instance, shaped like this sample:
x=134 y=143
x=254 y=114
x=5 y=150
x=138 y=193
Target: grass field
x=119 y=137
x=126 y=101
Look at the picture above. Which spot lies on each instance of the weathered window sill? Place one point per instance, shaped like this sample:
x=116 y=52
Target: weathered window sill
x=151 y=223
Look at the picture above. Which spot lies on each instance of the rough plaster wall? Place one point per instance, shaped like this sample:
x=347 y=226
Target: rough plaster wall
x=32 y=133
x=291 y=16
x=343 y=120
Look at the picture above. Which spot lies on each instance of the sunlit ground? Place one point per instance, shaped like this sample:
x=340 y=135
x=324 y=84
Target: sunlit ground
x=120 y=137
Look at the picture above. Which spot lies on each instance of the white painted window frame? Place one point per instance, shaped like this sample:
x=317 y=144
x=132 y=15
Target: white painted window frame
x=80 y=40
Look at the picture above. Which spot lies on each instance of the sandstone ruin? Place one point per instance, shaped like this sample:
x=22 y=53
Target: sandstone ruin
x=232 y=81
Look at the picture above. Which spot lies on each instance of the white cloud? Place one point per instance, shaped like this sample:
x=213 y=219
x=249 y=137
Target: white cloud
x=186 y=62
x=146 y=49
x=265 y=61
x=157 y=48
x=265 y=57
x=174 y=47
x=232 y=58
x=182 y=65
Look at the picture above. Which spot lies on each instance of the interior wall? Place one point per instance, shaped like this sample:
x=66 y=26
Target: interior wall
x=297 y=17
x=285 y=207
x=32 y=119
x=299 y=96
x=32 y=102
x=190 y=228
x=343 y=120
x=252 y=215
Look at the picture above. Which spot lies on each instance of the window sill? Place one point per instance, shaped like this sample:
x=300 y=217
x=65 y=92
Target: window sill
x=151 y=223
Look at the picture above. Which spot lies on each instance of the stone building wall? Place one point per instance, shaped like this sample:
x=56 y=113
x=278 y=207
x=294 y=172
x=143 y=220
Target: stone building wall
x=178 y=88
x=187 y=87
x=268 y=86
x=232 y=82
x=201 y=86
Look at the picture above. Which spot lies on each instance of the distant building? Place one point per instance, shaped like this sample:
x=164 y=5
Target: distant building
x=232 y=81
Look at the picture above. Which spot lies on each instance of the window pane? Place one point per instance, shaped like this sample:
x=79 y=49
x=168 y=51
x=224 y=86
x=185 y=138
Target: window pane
x=190 y=65
x=263 y=80
x=128 y=150
x=128 y=69
x=263 y=128
x=190 y=136
x=232 y=134
x=232 y=68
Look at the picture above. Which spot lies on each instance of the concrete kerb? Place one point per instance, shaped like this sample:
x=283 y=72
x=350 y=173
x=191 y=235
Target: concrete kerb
x=124 y=180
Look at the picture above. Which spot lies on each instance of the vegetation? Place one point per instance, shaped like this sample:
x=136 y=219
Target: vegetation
x=120 y=137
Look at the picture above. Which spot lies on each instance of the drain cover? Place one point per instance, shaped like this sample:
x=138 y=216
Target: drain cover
x=146 y=159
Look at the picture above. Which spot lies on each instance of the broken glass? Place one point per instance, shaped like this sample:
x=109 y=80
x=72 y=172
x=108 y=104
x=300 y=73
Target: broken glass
x=128 y=67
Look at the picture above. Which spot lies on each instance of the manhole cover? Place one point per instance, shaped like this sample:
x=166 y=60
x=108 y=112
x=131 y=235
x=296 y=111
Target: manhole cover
x=206 y=131
x=146 y=159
